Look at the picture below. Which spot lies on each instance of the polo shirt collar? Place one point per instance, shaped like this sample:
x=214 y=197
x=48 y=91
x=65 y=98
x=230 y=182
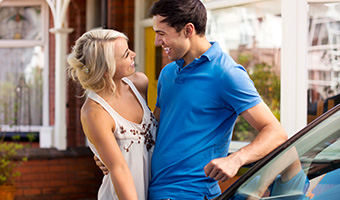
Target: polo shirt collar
x=209 y=54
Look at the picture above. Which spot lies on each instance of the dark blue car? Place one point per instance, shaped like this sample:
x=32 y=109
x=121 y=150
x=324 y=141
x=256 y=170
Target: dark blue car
x=307 y=166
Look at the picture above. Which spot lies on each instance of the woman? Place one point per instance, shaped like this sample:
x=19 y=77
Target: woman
x=115 y=117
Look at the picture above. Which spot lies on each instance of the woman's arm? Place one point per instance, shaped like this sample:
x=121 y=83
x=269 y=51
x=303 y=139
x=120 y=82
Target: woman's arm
x=98 y=127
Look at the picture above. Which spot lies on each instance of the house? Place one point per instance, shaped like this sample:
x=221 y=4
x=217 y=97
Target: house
x=36 y=97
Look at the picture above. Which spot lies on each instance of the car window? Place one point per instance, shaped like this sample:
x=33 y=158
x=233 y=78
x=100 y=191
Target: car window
x=306 y=168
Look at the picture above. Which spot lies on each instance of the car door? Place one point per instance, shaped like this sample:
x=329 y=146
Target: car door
x=307 y=166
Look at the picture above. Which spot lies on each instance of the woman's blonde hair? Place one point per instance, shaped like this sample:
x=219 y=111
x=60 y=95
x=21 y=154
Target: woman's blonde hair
x=92 y=61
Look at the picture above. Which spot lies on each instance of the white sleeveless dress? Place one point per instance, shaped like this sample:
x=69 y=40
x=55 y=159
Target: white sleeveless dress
x=136 y=141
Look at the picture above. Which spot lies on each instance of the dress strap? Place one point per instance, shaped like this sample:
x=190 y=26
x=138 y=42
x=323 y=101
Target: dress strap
x=135 y=90
x=95 y=97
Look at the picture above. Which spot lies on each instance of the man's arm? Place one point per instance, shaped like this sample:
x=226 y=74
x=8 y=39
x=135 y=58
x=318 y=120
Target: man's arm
x=271 y=135
x=100 y=165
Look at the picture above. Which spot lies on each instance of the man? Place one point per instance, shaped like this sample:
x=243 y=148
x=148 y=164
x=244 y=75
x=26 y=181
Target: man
x=200 y=95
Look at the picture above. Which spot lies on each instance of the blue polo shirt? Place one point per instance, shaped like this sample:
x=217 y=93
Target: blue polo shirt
x=199 y=105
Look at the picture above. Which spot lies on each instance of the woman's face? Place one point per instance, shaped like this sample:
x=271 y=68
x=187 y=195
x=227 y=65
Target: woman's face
x=125 y=63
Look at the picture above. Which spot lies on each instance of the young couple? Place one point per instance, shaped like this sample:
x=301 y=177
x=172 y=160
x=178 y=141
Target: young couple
x=200 y=95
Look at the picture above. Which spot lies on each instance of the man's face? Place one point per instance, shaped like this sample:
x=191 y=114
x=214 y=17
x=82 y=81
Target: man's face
x=175 y=44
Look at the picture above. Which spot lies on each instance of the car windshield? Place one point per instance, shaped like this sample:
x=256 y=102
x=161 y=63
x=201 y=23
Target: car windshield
x=306 y=167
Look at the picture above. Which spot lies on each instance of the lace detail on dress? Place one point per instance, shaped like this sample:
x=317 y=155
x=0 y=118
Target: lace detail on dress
x=149 y=141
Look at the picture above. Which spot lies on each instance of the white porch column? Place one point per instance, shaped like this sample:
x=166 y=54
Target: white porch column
x=60 y=86
x=293 y=65
x=58 y=10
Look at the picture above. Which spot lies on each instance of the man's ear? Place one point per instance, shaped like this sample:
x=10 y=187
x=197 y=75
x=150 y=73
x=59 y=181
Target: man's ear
x=189 y=30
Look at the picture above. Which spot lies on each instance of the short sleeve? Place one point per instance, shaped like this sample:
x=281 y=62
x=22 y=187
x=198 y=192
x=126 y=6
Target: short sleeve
x=239 y=91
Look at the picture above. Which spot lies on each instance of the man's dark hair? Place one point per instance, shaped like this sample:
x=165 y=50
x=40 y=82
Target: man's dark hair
x=178 y=13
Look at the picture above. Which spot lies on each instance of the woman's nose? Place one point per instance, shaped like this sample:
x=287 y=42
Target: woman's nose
x=133 y=54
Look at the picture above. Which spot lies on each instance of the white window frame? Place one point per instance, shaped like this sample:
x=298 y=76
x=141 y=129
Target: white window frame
x=293 y=55
x=294 y=79
x=44 y=128
x=140 y=24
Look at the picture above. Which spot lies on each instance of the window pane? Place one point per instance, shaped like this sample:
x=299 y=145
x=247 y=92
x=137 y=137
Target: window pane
x=18 y=22
x=323 y=58
x=252 y=35
x=21 y=86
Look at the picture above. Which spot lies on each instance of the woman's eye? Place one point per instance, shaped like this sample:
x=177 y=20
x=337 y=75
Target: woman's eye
x=127 y=54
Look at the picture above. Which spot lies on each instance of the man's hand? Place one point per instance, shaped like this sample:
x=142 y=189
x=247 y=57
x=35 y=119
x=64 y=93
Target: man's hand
x=101 y=165
x=222 y=169
x=271 y=135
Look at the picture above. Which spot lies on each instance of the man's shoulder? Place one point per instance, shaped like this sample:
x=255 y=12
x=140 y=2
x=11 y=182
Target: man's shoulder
x=224 y=62
x=216 y=55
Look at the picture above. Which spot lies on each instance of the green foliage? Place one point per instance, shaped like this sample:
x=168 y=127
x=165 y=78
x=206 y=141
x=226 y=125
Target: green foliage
x=31 y=137
x=267 y=83
x=16 y=137
x=9 y=161
x=243 y=131
x=244 y=59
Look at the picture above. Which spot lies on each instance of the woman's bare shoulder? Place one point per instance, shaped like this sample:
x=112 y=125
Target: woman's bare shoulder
x=93 y=115
x=141 y=81
x=90 y=109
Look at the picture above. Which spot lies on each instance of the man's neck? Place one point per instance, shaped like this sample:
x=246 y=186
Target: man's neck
x=199 y=45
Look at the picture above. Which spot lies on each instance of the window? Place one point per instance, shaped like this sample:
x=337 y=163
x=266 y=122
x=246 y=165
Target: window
x=323 y=58
x=20 y=22
x=23 y=77
x=251 y=34
x=21 y=83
